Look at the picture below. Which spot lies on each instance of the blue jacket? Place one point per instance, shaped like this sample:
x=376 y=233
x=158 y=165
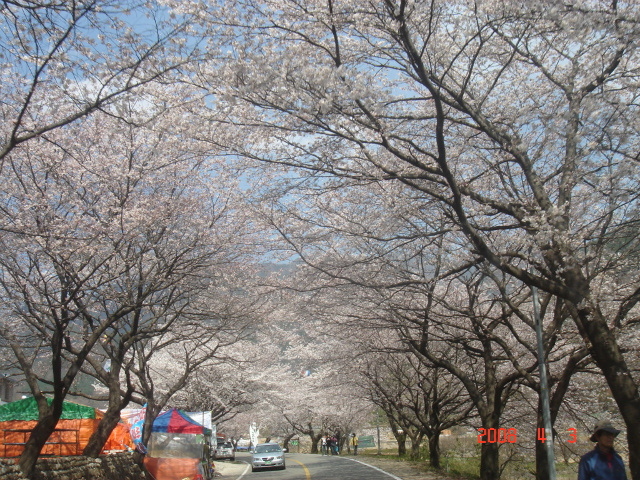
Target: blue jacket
x=596 y=465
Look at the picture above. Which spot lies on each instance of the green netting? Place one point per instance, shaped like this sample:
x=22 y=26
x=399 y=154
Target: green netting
x=27 y=409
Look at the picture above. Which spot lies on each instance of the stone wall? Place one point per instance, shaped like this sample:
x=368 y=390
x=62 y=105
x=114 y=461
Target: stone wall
x=107 y=467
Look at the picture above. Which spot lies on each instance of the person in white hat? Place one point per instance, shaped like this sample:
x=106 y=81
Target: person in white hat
x=603 y=462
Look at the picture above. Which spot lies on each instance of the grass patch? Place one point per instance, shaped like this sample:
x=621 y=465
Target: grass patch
x=458 y=469
x=467 y=467
x=464 y=463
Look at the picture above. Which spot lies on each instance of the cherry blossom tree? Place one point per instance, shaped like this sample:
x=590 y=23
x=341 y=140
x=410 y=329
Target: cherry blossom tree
x=166 y=363
x=204 y=380
x=519 y=119
x=225 y=388
x=180 y=366
x=63 y=61
x=378 y=276
x=309 y=384
x=110 y=234
x=418 y=401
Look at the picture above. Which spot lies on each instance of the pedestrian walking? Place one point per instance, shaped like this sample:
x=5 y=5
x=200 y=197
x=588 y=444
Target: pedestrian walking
x=334 y=445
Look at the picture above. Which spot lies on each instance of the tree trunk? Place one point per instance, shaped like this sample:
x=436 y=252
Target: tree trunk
x=607 y=355
x=416 y=441
x=633 y=440
x=287 y=439
x=117 y=402
x=151 y=413
x=39 y=436
x=101 y=435
x=138 y=458
x=434 y=450
x=402 y=445
x=314 y=442
x=489 y=462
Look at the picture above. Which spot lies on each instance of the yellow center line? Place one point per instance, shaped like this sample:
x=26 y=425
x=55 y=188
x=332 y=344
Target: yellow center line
x=306 y=470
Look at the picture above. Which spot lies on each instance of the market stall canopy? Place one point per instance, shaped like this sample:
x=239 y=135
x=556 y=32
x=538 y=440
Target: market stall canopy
x=176 y=421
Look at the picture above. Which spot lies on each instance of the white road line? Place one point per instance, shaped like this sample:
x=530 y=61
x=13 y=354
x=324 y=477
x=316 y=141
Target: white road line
x=375 y=468
x=246 y=470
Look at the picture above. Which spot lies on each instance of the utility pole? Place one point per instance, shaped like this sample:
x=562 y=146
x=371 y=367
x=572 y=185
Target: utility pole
x=378 y=428
x=544 y=390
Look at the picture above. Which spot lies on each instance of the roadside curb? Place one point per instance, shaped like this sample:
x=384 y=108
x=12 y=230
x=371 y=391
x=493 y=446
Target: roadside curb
x=231 y=468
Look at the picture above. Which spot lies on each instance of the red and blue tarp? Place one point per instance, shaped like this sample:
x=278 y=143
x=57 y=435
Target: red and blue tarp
x=175 y=421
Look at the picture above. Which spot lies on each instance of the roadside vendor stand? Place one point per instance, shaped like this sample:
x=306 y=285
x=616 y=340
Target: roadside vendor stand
x=72 y=432
x=178 y=448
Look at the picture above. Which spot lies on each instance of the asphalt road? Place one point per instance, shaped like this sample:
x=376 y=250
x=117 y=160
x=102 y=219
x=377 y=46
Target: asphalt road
x=302 y=466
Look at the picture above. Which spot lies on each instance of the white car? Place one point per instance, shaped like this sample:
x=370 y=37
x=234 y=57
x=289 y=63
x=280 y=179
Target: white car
x=224 y=450
x=267 y=455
